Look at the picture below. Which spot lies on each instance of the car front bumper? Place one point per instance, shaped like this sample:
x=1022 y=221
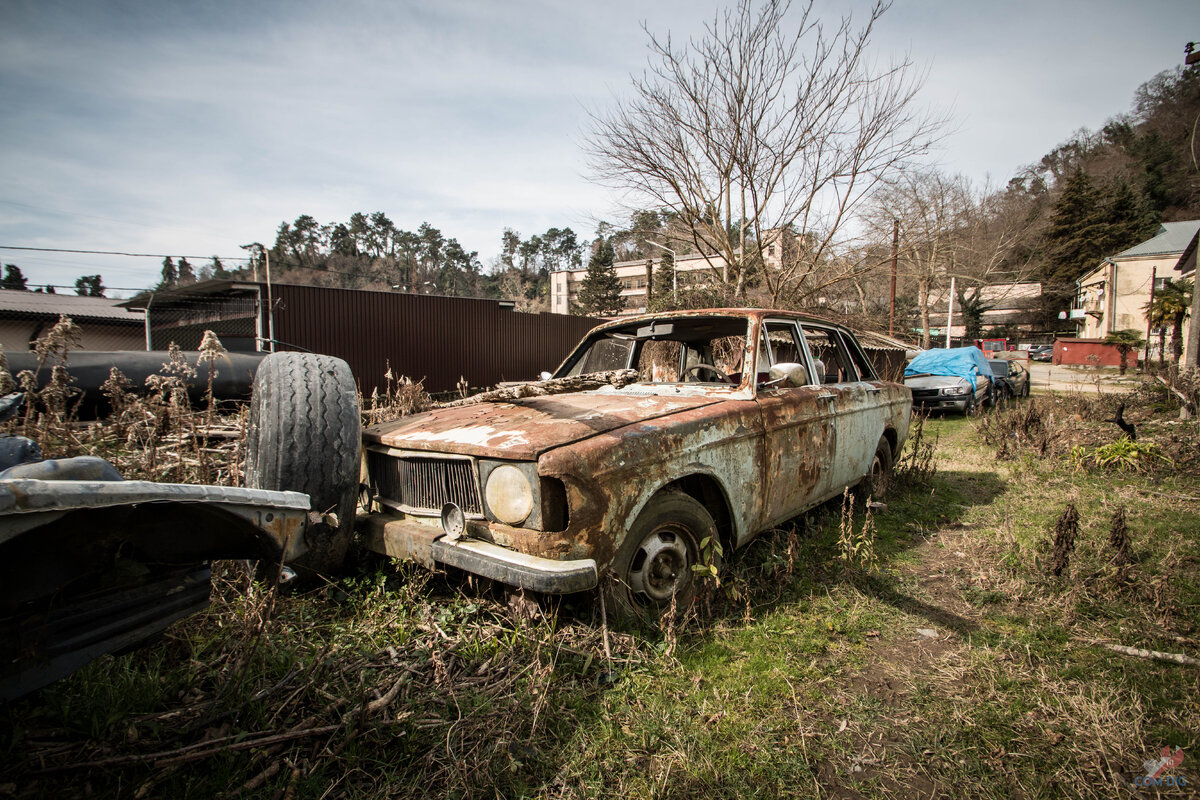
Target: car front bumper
x=412 y=540
x=943 y=404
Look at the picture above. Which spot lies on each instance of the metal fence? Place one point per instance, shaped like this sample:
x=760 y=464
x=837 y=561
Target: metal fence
x=440 y=340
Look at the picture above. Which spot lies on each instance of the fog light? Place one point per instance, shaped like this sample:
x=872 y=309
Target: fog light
x=454 y=522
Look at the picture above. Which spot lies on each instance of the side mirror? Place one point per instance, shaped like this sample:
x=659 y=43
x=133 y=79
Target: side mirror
x=788 y=374
x=545 y=376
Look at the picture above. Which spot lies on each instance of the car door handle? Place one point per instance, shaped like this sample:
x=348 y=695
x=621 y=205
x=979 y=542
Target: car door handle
x=826 y=396
x=872 y=390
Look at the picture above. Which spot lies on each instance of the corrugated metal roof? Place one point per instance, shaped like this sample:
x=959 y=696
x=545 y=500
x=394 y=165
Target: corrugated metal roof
x=1173 y=237
x=74 y=306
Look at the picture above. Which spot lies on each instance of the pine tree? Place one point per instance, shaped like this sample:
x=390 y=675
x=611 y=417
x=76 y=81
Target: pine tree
x=1075 y=231
x=600 y=292
x=663 y=289
x=170 y=276
x=89 y=286
x=218 y=269
x=185 y=272
x=14 y=279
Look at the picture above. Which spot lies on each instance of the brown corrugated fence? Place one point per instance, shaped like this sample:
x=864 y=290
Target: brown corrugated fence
x=438 y=339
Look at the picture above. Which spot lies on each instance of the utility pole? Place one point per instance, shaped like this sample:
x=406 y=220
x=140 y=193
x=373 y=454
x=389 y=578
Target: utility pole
x=1150 y=305
x=895 y=253
x=950 y=313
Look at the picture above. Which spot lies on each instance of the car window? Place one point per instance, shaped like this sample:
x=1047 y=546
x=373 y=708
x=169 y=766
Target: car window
x=701 y=349
x=604 y=355
x=866 y=371
x=826 y=346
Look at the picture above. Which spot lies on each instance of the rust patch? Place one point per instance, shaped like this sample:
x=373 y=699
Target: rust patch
x=526 y=429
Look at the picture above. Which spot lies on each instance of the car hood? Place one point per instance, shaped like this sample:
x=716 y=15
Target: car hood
x=524 y=429
x=934 y=382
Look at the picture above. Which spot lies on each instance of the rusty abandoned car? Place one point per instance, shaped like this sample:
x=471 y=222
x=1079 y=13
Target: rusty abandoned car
x=721 y=424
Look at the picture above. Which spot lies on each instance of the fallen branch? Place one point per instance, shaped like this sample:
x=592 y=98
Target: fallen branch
x=1155 y=655
x=574 y=383
x=1188 y=405
x=1185 y=497
x=191 y=753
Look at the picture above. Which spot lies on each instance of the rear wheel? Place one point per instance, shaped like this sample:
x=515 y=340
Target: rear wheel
x=304 y=436
x=879 y=477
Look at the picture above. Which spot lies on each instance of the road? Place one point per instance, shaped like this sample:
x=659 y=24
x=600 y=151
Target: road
x=1047 y=377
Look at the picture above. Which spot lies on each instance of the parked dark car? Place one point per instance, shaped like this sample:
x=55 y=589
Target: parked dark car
x=1010 y=378
x=957 y=379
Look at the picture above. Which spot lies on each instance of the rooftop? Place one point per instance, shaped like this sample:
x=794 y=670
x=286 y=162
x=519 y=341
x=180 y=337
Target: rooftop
x=74 y=306
x=1172 y=238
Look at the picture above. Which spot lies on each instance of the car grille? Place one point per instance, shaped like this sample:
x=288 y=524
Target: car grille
x=925 y=394
x=426 y=483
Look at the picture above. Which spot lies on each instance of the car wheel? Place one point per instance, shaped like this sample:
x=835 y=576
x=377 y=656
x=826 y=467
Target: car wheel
x=1025 y=390
x=304 y=435
x=655 y=561
x=878 y=480
x=969 y=411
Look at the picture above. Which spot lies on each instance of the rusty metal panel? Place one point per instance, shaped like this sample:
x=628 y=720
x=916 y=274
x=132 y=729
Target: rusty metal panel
x=438 y=339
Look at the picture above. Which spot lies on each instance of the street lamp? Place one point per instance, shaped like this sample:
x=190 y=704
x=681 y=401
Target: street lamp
x=674 y=268
x=258 y=249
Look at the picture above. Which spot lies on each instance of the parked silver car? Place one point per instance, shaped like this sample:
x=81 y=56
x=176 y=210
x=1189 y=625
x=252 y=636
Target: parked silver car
x=956 y=379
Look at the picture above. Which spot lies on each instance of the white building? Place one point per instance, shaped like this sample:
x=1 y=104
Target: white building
x=1114 y=296
x=635 y=276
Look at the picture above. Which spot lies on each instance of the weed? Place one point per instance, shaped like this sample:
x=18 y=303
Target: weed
x=401 y=396
x=1118 y=538
x=918 y=463
x=856 y=548
x=1065 y=531
x=1123 y=455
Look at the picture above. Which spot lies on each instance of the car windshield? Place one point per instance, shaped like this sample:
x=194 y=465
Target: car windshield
x=705 y=349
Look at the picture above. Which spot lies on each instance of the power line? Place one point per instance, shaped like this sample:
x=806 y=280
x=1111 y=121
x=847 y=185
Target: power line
x=115 y=253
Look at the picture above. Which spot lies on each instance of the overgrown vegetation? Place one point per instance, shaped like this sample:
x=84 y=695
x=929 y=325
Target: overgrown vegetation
x=931 y=651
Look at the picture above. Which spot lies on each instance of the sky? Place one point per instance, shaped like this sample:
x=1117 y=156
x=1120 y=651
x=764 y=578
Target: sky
x=194 y=128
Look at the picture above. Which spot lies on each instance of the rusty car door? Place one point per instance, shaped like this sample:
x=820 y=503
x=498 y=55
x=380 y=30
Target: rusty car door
x=799 y=443
x=858 y=406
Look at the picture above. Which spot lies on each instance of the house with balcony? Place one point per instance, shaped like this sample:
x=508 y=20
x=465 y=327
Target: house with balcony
x=1114 y=295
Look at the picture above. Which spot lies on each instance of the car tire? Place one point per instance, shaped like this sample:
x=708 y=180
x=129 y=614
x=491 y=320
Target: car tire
x=655 y=560
x=877 y=481
x=969 y=411
x=304 y=435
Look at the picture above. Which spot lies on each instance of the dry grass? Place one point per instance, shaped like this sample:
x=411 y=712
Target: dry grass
x=794 y=677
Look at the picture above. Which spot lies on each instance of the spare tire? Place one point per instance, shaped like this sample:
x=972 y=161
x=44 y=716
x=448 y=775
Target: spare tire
x=304 y=435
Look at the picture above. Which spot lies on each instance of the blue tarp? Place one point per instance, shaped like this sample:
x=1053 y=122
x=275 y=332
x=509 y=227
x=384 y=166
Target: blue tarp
x=960 y=362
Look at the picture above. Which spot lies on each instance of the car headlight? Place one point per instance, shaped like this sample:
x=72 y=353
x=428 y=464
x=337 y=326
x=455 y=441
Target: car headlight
x=958 y=389
x=509 y=495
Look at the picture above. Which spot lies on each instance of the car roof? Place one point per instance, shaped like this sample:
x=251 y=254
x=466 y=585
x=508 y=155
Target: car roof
x=747 y=313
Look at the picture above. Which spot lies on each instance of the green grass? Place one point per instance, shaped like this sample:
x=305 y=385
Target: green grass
x=800 y=677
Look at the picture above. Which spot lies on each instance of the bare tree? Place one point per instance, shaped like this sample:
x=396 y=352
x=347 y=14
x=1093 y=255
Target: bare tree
x=760 y=126
x=948 y=229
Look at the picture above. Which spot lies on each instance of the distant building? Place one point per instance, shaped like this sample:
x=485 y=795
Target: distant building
x=25 y=316
x=1114 y=296
x=691 y=270
x=1012 y=308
